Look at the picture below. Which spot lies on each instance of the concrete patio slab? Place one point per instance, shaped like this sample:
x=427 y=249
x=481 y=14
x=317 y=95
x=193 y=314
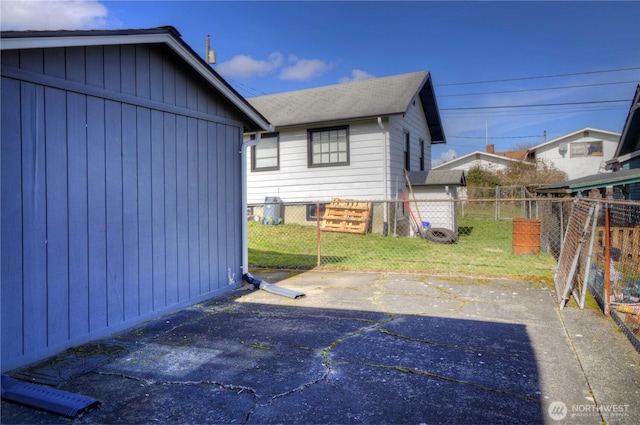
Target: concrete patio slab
x=359 y=348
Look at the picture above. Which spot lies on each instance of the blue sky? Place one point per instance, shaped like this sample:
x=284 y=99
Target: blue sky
x=573 y=57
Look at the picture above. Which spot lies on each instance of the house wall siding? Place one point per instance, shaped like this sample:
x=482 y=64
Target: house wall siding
x=633 y=189
x=415 y=123
x=296 y=182
x=120 y=193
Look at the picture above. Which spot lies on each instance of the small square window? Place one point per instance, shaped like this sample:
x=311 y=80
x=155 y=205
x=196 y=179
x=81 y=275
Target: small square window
x=265 y=156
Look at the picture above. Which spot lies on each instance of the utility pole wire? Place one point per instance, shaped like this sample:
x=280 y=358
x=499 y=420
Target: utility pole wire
x=538 y=77
x=493 y=137
x=537 y=89
x=532 y=106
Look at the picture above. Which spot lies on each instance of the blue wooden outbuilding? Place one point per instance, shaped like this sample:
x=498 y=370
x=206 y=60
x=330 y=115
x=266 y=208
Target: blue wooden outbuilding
x=120 y=181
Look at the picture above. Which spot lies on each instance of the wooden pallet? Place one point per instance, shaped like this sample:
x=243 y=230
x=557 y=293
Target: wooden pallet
x=343 y=215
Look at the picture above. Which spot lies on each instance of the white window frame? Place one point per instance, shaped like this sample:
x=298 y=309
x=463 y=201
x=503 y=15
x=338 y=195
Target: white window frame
x=586 y=149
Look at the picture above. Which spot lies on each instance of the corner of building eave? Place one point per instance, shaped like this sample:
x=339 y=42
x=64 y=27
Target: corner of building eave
x=263 y=128
x=426 y=89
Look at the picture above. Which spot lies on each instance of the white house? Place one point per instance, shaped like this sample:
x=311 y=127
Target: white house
x=351 y=140
x=485 y=160
x=625 y=164
x=578 y=154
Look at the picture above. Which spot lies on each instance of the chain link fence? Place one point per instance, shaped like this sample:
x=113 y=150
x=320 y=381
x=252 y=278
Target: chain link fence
x=469 y=236
x=614 y=274
x=562 y=241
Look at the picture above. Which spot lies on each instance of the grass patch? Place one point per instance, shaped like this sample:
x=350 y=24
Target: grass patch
x=484 y=247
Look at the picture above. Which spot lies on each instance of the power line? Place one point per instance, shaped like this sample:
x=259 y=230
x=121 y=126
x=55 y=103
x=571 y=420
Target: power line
x=538 y=77
x=537 y=89
x=495 y=137
x=532 y=105
x=549 y=111
x=248 y=89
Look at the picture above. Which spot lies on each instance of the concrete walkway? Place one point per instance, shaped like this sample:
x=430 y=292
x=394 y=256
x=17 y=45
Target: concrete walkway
x=371 y=348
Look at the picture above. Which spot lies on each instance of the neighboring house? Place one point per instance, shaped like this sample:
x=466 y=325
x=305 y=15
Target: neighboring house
x=351 y=140
x=624 y=181
x=578 y=154
x=487 y=161
x=627 y=154
x=121 y=184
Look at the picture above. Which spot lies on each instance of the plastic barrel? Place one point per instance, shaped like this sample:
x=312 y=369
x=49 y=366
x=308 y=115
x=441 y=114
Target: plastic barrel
x=272 y=211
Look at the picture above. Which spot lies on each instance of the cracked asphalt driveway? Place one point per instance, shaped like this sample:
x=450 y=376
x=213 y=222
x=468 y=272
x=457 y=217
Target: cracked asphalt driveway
x=359 y=348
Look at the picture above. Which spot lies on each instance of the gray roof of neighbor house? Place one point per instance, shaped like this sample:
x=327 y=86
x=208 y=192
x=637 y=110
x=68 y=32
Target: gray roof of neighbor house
x=437 y=178
x=479 y=155
x=167 y=35
x=376 y=97
x=595 y=181
x=567 y=136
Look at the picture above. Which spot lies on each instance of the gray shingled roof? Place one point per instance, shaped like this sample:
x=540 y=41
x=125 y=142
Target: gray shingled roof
x=437 y=178
x=359 y=99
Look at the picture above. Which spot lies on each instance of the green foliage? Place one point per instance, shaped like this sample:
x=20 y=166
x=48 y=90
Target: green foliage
x=528 y=174
x=515 y=174
x=479 y=177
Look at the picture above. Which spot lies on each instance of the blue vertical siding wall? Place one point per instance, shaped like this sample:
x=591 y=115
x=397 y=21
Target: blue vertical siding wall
x=121 y=193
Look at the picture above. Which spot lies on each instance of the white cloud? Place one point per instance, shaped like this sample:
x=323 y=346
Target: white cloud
x=52 y=15
x=304 y=69
x=357 y=75
x=445 y=156
x=242 y=66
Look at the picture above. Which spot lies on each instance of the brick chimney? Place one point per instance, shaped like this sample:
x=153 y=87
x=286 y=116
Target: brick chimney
x=490 y=148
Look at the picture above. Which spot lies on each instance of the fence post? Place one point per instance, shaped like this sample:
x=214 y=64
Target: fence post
x=318 y=232
x=607 y=259
x=497 y=196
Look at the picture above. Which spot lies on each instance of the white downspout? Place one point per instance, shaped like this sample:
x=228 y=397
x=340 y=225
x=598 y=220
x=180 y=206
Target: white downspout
x=245 y=230
x=385 y=225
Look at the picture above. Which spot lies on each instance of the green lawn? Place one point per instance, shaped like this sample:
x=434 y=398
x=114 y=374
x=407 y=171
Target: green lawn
x=483 y=248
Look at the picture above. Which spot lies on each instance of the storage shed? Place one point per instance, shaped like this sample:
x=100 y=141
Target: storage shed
x=121 y=184
x=436 y=192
